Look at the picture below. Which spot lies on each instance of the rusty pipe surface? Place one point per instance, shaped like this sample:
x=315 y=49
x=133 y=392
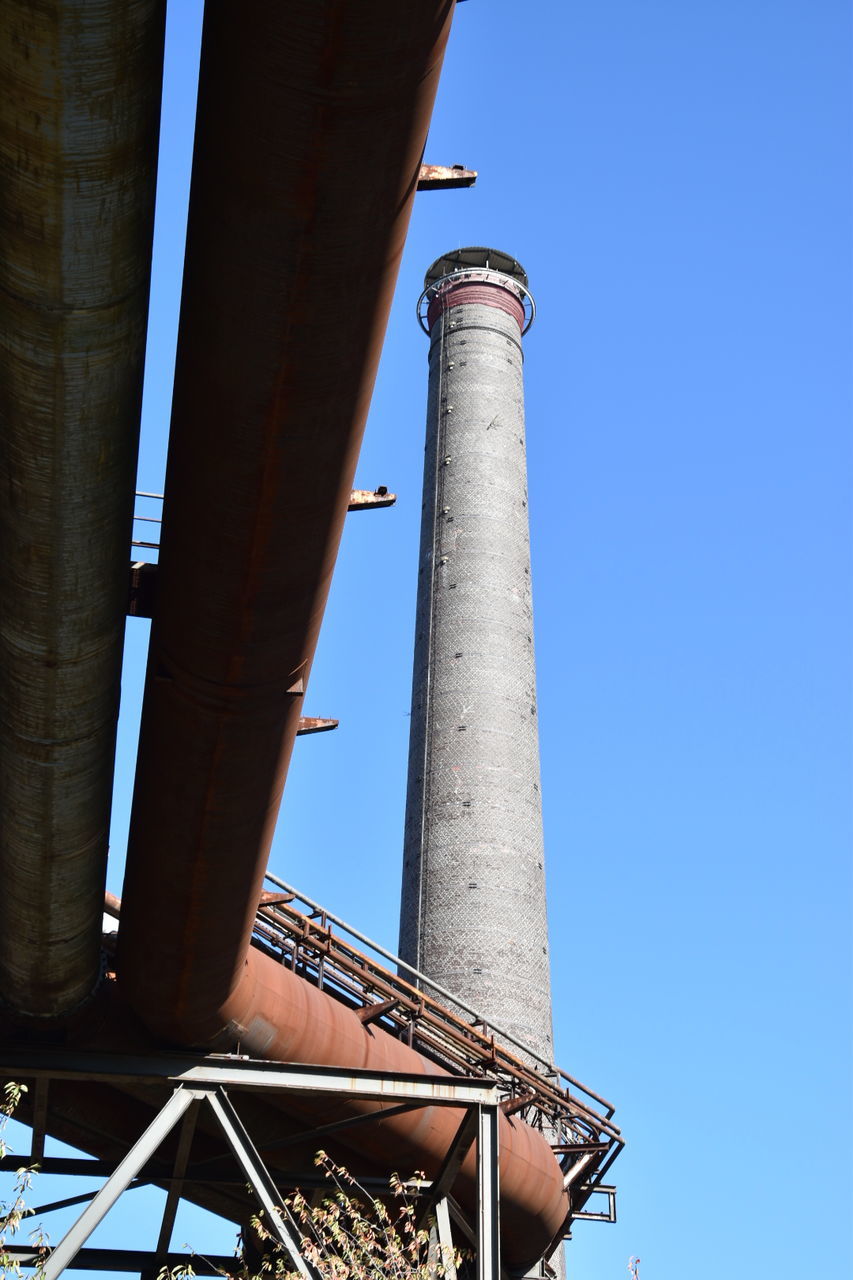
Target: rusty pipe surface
x=275 y=1014
x=309 y=137
x=79 y=122
x=310 y=131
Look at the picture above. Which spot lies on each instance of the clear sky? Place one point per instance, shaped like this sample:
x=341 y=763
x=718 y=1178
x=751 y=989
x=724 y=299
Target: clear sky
x=675 y=177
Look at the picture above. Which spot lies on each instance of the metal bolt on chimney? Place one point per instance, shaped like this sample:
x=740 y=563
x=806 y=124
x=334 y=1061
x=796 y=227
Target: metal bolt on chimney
x=473 y=913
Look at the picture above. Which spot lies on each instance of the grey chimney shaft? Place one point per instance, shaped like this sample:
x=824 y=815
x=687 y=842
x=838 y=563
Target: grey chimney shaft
x=473 y=912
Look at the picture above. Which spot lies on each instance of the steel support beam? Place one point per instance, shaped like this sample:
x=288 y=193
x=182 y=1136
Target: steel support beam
x=253 y=1074
x=350 y=1122
x=445 y=1238
x=207 y=1171
x=39 y=1120
x=488 y=1239
x=574 y=1172
x=205 y=1081
x=609 y=1215
x=468 y=1132
x=252 y=1166
x=461 y=1221
x=136 y=1158
x=176 y=1187
x=125 y=1260
x=260 y=1182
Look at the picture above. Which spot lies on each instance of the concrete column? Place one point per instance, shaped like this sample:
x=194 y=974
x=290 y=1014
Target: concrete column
x=473 y=904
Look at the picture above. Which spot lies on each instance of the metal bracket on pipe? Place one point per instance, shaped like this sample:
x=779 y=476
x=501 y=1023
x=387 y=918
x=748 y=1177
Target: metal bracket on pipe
x=142 y=595
x=313 y=724
x=510 y=1106
x=609 y=1215
x=442 y=177
x=142 y=592
x=373 y=1012
x=367 y=499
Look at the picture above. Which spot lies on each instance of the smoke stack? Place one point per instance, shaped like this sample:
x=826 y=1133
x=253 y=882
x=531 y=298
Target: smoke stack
x=473 y=912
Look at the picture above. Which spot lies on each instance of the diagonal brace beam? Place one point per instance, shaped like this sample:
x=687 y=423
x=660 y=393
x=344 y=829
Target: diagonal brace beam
x=443 y=1183
x=141 y=1151
x=445 y=1238
x=259 y=1179
x=176 y=1186
x=39 y=1120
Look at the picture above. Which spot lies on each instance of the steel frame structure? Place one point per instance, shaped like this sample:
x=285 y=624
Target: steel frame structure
x=208 y=1082
x=584 y=1135
x=281 y=467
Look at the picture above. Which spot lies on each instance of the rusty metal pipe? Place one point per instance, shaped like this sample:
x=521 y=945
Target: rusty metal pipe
x=273 y=1013
x=310 y=131
x=79 y=120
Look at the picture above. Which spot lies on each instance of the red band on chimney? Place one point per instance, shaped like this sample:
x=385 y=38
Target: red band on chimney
x=490 y=295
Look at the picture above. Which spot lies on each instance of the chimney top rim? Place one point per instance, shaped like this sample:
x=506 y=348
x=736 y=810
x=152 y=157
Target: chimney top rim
x=476 y=256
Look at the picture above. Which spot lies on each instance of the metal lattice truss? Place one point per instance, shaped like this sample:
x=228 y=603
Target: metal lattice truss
x=210 y=1083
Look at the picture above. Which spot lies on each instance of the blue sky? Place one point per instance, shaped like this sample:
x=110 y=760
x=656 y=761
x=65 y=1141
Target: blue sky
x=676 y=180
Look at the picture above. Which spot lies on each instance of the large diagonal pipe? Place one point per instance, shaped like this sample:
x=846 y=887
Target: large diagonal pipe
x=79 y=117
x=310 y=130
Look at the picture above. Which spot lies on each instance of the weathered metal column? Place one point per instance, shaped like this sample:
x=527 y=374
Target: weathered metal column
x=79 y=125
x=473 y=905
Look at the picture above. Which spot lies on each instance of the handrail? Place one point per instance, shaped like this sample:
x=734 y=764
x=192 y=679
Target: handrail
x=550 y=1067
x=308 y=945
x=463 y=274
x=136 y=542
